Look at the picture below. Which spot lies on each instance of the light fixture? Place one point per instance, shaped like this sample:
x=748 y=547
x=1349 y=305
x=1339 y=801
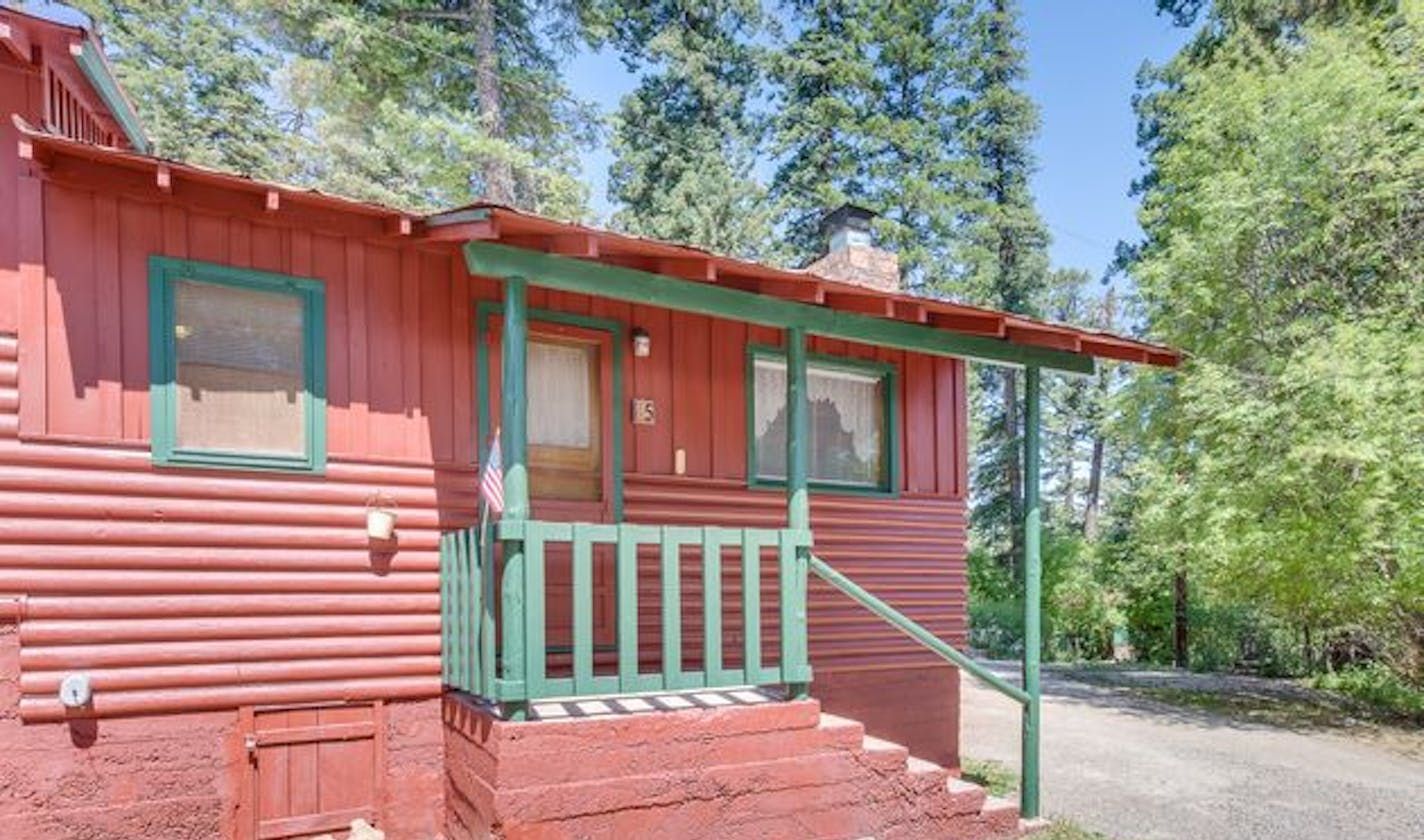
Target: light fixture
x=380 y=517
x=642 y=343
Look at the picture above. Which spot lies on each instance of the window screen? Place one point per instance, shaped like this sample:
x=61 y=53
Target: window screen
x=239 y=369
x=847 y=423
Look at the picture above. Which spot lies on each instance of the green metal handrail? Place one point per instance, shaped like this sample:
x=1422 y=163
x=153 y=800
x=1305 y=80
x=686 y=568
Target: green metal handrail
x=916 y=631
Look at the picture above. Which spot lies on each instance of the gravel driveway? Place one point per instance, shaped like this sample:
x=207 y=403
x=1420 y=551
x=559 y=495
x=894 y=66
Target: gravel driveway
x=1132 y=767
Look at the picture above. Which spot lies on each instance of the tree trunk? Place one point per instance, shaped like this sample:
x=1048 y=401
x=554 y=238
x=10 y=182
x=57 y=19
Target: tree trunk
x=1180 y=629
x=498 y=177
x=1095 y=487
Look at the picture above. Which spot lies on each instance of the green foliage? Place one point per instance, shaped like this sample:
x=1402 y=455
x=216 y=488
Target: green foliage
x=1080 y=609
x=1281 y=467
x=826 y=90
x=396 y=101
x=431 y=105
x=685 y=141
x=1005 y=250
x=1378 y=687
x=997 y=778
x=198 y=76
x=1285 y=189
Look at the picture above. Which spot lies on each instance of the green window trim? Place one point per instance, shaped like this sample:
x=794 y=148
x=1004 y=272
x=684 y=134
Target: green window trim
x=890 y=486
x=484 y=424
x=162 y=273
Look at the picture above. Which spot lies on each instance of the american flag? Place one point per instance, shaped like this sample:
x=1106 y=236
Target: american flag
x=492 y=478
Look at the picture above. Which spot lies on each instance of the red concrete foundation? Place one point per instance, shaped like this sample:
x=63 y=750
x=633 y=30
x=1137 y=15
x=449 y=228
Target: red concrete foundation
x=748 y=771
x=917 y=707
x=182 y=776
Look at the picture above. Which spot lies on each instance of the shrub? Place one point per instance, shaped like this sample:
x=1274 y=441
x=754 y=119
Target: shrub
x=1379 y=687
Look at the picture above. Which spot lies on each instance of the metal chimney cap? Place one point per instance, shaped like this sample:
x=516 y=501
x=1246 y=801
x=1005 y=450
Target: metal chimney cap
x=847 y=217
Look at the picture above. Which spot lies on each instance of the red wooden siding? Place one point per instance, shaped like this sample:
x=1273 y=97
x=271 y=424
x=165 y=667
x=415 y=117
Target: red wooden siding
x=204 y=589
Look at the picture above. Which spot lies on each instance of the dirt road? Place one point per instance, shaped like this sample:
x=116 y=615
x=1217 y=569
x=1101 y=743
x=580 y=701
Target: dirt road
x=1133 y=767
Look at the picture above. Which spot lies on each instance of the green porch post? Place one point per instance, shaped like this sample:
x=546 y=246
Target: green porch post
x=798 y=506
x=516 y=492
x=1033 y=584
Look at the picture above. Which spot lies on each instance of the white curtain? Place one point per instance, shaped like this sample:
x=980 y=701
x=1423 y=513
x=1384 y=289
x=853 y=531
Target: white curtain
x=857 y=401
x=847 y=413
x=560 y=394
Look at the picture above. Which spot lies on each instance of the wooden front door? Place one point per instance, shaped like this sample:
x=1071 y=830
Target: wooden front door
x=312 y=770
x=570 y=432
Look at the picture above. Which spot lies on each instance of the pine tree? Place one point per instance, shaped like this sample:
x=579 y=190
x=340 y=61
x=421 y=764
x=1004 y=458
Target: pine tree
x=826 y=90
x=198 y=78
x=1004 y=250
x=866 y=113
x=435 y=103
x=685 y=141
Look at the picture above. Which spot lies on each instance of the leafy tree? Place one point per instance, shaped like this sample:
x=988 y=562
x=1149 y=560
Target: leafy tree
x=1283 y=221
x=198 y=77
x=685 y=141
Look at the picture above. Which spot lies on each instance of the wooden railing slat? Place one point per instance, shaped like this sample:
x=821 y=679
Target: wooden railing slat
x=751 y=603
x=626 y=581
x=487 y=623
x=472 y=616
x=447 y=613
x=534 y=601
x=712 y=604
x=582 y=610
x=671 y=607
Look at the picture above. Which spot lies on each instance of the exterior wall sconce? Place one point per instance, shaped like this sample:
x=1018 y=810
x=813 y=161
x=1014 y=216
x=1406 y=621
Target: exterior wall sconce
x=642 y=343
x=380 y=517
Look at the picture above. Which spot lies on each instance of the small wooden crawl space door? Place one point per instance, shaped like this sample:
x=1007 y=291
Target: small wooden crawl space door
x=311 y=769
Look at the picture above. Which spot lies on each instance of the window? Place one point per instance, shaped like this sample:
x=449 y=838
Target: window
x=851 y=441
x=238 y=367
x=564 y=415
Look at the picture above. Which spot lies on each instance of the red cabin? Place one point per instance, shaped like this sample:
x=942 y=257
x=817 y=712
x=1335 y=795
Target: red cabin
x=246 y=589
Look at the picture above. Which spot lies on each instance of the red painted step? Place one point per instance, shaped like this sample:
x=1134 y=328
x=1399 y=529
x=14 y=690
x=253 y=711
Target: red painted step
x=760 y=770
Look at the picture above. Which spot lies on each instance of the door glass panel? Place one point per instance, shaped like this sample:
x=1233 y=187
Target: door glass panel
x=564 y=419
x=560 y=394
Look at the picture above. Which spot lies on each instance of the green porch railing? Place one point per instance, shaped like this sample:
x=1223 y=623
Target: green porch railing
x=467 y=618
x=468 y=603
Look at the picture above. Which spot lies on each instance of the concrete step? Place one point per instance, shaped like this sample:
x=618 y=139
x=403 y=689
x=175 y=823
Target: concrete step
x=778 y=769
x=886 y=756
x=841 y=732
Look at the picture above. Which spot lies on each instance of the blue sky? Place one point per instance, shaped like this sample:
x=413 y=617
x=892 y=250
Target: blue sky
x=1083 y=57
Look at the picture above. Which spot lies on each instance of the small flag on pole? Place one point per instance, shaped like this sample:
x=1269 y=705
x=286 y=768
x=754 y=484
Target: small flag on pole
x=492 y=478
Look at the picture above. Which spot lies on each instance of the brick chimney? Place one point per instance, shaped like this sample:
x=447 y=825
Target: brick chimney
x=851 y=255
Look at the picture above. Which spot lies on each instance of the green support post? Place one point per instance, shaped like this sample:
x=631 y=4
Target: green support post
x=516 y=489
x=1033 y=585
x=798 y=505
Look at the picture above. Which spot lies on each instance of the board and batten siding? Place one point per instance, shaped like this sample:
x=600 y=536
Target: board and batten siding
x=188 y=589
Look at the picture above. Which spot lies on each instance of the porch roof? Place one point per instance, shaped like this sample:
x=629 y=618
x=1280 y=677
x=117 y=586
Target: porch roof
x=799 y=293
